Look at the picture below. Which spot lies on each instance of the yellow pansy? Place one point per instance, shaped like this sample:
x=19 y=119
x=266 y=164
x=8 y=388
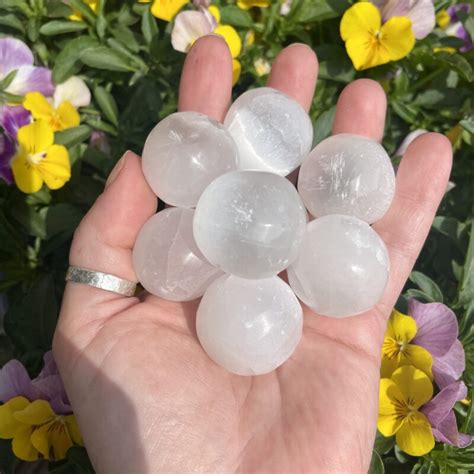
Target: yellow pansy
x=247 y=4
x=250 y=38
x=236 y=70
x=397 y=350
x=36 y=431
x=76 y=16
x=400 y=398
x=65 y=116
x=167 y=9
x=368 y=42
x=443 y=19
x=38 y=160
x=215 y=12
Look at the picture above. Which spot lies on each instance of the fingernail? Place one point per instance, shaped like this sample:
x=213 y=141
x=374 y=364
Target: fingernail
x=116 y=170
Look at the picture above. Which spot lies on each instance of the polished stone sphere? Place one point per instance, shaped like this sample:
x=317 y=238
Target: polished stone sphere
x=183 y=154
x=342 y=268
x=272 y=131
x=249 y=327
x=166 y=259
x=347 y=174
x=250 y=223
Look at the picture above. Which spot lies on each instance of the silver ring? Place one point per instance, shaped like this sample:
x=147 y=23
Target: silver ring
x=104 y=281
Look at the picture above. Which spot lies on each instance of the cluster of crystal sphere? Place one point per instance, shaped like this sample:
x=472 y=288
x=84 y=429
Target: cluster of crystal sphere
x=237 y=222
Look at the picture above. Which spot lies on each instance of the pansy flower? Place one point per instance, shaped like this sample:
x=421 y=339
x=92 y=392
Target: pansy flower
x=248 y=4
x=454 y=27
x=16 y=56
x=165 y=9
x=369 y=42
x=38 y=160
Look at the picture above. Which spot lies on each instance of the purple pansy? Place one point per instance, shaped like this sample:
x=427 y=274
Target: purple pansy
x=456 y=28
x=15 y=381
x=16 y=56
x=440 y=414
x=437 y=332
x=7 y=151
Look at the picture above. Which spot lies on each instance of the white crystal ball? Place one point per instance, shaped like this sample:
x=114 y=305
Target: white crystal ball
x=183 y=154
x=166 y=259
x=249 y=327
x=250 y=223
x=272 y=131
x=347 y=174
x=342 y=268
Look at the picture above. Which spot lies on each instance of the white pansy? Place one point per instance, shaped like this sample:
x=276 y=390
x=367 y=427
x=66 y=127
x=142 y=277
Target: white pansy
x=73 y=90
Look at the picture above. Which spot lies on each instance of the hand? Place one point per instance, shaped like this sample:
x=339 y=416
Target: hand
x=147 y=397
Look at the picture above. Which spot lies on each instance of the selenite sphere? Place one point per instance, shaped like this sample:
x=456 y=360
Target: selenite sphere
x=183 y=154
x=272 y=131
x=166 y=259
x=342 y=267
x=249 y=327
x=347 y=174
x=250 y=223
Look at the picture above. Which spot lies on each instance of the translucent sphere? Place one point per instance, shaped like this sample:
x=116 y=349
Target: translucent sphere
x=166 y=259
x=342 y=268
x=249 y=327
x=183 y=154
x=250 y=223
x=347 y=174
x=273 y=132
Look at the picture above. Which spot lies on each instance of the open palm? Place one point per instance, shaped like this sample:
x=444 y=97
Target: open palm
x=147 y=397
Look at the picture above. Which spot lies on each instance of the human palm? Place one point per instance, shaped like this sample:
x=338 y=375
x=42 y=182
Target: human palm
x=147 y=397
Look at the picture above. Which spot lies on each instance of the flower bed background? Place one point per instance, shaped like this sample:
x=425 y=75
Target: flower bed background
x=125 y=59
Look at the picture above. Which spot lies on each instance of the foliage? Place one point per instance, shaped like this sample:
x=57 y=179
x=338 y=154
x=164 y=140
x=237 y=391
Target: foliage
x=125 y=56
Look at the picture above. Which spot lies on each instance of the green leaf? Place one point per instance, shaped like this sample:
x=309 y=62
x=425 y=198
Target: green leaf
x=468 y=124
x=458 y=62
x=427 y=285
x=68 y=60
x=376 y=464
x=233 y=15
x=106 y=58
x=62 y=218
x=334 y=64
x=58 y=27
x=84 y=9
x=323 y=125
x=31 y=317
x=72 y=136
x=466 y=290
x=383 y=444
x=317 y=10
x=13 y=22
x=107 y=104
x=57 y=9
x=405 y=111
x=149 y=26
x=419 y=295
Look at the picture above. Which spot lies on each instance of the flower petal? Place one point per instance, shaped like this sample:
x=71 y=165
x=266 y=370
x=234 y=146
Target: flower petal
x=236 y=70
x=231 y=37
x=9 y=425
x=437 y=326
x=36 y=137
x=12 y=118
x=68 y=116
x=22 y=447
x=449 y=368
x=167 y=9
x=447 y=432
x=360 y=20
x=389 y=365
x=415 y=437
x=36 y=413
x=397 y=38
x=15 y=381
x=73 y=429
x=418 y=357
x=401 y=327
x=247 y=4
x=55 y=168
x=27 y=177
x=74 y=90
x=7 y=150
x=31 y=78
x=439 y=407
x=40 y=439
x=388 y=421
x=414 y=384
x=13 y=54
x=188 y=27
x=365 y=52
x=39 y=107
